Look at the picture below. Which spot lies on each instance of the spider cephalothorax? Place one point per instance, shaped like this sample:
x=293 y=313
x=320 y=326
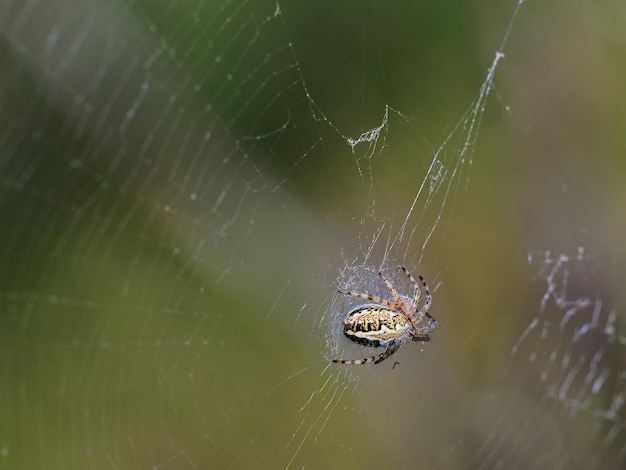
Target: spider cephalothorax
x=388 y=323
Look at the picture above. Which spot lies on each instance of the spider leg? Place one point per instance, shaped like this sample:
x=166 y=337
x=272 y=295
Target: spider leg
x=424 y=310
x=432 y=323
x=416 y=292
x=392 y=348
x=377 y=300
x=421 y=331
x=420 y=338
x=394 y=292
x=429 y=298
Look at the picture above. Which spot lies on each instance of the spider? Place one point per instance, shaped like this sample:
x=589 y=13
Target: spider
x=388 y=323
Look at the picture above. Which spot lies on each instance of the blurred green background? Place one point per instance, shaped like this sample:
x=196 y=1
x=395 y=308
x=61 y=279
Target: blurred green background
x=179 y=205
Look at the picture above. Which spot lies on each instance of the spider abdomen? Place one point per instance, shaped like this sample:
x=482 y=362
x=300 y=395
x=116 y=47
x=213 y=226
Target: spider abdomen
x=372 y=325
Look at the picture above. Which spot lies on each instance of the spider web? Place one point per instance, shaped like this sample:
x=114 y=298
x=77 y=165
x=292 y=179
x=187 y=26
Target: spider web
x=186 y=185
x=577 y=346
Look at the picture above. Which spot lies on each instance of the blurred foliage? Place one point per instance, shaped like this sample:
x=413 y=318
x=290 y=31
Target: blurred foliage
x=177 y=211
